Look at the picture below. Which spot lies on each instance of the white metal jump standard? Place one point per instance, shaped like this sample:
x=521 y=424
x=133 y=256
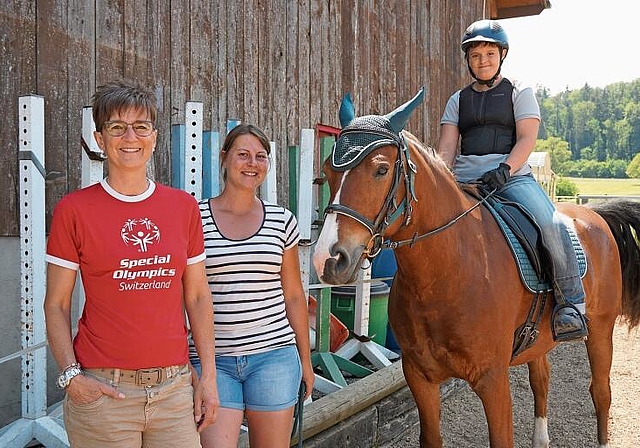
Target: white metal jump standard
x=193 y=149
x=92 y=156
x=92 y=172
x=377 y=355
x=35 y=423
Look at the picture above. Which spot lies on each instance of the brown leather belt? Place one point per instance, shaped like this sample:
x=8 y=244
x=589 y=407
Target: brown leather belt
x=141 y=377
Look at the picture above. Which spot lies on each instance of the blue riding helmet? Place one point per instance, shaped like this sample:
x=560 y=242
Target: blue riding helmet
x=485 y=31
x=488 y=31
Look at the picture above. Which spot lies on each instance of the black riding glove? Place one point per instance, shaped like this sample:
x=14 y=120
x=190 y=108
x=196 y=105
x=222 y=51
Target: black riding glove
x=496 y=178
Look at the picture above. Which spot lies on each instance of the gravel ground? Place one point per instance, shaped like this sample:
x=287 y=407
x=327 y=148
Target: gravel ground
x=572 y=421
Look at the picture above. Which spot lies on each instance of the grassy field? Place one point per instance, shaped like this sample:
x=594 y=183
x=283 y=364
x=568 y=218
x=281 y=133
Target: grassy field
x=625 y=187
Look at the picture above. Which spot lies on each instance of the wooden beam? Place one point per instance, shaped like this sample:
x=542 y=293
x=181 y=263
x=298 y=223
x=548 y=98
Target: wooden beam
x=506 y=9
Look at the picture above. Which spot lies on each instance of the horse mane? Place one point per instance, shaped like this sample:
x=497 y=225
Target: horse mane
x=433 y=159
x=427 y=152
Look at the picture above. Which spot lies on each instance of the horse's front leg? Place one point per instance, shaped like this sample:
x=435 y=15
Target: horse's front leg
x=493 y=390
x=427 y=397
x=539 y=374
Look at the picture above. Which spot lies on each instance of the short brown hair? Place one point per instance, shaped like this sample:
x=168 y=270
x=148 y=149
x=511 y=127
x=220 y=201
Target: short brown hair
x=119 y=95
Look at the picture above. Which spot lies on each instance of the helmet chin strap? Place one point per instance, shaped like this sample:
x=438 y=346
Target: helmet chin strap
x=487 y=82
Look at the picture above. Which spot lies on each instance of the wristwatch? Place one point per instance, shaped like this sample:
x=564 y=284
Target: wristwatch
x=70 y=372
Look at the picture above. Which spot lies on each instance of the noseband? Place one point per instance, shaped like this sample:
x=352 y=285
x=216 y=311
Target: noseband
x=404 y=170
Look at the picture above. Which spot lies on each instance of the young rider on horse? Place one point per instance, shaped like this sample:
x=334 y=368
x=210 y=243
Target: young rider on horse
x=497 y=123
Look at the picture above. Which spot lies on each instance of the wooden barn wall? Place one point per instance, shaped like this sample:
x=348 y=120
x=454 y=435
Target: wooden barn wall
x=280 y=64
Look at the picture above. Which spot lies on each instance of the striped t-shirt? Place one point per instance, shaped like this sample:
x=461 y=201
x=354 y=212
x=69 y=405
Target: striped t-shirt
x=244 y=279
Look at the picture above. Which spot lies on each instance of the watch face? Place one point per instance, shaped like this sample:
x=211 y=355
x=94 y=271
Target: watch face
x=63 y=381
x=67 y=376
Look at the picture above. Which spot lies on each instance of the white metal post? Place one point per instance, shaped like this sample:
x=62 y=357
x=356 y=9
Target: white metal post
x=92 y=155
x=32 y=249
x=31 y=171
x=363 y=303
x=193 y=149
x=269 y=188
x=377 y=355
x=305 y=203
x=211 y=181
x=92 y=171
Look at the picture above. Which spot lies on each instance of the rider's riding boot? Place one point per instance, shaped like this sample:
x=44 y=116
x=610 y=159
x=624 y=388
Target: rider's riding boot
x=568 y=323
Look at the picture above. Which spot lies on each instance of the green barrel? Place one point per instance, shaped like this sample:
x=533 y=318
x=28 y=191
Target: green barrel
x=343 y=302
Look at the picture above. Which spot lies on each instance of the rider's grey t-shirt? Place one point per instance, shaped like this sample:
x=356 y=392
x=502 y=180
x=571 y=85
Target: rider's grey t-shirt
x=469 y=168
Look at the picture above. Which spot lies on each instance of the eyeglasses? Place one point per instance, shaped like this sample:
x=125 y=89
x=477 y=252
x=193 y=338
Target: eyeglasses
x=117 y=128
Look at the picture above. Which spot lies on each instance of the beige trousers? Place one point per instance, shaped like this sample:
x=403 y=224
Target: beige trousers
x=149 y=417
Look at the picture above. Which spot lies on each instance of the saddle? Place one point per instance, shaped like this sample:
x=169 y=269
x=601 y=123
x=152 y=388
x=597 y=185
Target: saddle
x=526 y=242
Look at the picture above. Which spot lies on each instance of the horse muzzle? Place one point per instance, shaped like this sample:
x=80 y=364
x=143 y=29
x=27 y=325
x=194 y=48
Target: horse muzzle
x=342 y=266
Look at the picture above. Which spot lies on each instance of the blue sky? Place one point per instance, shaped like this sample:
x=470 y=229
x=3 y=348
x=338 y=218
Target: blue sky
x=575 y=41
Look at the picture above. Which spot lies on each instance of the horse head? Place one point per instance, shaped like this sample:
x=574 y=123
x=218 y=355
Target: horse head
x=370 y=176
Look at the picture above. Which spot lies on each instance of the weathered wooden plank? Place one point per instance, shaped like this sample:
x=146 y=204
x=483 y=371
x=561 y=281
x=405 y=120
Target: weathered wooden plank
x=375 y=73
x=221 y=88
x=136 y=51
x=81 y=66
x=135 y=42
x=430 y=83
x=305 y=67
x=234 y=66
x=347 y=39
x=404 y=86
x=201 y=65
x=18 y=76
x=362 y=85
x=325 y=64
x=212 y=102
x=52 y=83
x=158 y=74
x=179 y=52
x=277 y=25
x=335 y=43
x=109 y=39
x=436 y=56
x=317 y=58
x=293 y=73
x=387 y=83
x=251 y=69
x=415 y=63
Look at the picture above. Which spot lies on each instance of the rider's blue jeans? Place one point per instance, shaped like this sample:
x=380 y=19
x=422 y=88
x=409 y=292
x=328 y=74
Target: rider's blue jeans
x=526 y=191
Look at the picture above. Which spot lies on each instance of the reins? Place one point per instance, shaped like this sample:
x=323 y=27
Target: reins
x=411 y=241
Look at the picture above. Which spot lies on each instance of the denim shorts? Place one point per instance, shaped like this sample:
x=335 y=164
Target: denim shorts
x=267 y=381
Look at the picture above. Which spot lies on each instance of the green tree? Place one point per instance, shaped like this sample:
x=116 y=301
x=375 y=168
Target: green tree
x=564 y=187
x=599 y=124
x=633 y=169
x=558 y=150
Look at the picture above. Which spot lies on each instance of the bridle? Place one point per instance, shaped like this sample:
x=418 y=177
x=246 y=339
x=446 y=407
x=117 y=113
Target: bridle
x=405 y=171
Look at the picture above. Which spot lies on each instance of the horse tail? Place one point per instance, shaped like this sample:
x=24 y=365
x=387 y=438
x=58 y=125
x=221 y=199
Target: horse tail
x=623 y=218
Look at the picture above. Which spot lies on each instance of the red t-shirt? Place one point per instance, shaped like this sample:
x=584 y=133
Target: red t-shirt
x=131 y=252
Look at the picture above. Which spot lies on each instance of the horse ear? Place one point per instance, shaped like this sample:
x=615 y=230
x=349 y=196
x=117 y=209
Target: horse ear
x=347 y=111
x=399 y=117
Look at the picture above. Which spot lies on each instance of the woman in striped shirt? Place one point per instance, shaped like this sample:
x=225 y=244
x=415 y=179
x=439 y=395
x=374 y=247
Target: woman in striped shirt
x=261 y=320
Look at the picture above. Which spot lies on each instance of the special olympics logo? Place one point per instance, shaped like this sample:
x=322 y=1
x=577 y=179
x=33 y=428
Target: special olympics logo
x=140 y=232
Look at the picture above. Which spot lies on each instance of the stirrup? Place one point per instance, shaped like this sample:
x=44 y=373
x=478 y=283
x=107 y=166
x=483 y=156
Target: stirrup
x=574 y=335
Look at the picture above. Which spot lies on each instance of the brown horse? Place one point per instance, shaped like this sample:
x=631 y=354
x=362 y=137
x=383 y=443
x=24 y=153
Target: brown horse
x=457 y=298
